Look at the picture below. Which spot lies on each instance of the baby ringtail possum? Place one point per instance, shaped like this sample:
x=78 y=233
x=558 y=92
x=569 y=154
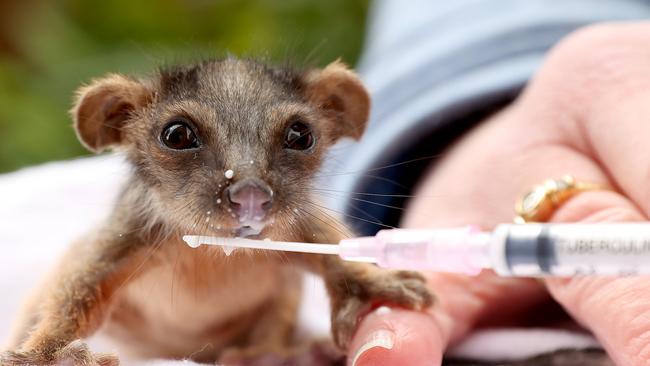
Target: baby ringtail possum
x=224 y=148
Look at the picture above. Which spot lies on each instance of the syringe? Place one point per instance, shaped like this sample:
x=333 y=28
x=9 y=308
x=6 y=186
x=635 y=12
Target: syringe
x=511 y=249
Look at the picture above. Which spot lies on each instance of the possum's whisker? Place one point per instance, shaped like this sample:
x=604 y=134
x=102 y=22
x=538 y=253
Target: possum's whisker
x=383 y=179
x=388 y=166
x=374 y=221
x=352 y=216
x=372 y=203
x=331 y=224
x=344 y=193
x=364 y=212
x=325 y=222
x=403 y=209
x=317 y=48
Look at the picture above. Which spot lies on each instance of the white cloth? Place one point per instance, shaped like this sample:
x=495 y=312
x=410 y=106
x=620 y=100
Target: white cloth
x=42 y=209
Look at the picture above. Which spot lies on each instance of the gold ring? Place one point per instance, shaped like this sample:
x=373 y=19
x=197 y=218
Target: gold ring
x=539 y=204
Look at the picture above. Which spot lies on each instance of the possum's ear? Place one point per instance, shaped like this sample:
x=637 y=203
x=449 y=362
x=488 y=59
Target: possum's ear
x=339 y=93
x=103 y=107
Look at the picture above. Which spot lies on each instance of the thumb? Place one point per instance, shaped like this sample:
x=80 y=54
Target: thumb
x=399 y=337
x=616 y=310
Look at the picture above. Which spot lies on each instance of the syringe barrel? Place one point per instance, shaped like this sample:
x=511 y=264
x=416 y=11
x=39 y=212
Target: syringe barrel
x=460 y=250
x=571 y=249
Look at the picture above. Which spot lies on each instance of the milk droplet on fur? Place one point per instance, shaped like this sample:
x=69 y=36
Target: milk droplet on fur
x=218 y=201
x=229 y=174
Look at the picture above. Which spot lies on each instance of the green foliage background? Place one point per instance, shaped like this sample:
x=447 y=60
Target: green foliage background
x=48 y=48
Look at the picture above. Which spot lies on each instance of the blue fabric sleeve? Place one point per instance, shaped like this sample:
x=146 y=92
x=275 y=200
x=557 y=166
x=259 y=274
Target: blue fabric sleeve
x=435 y=69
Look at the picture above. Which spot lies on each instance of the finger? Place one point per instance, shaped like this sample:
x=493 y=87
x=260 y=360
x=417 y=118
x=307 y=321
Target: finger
x=608 y=93
x=600 y=78
x=399 y=337
x=463 y=301
x=616 y=310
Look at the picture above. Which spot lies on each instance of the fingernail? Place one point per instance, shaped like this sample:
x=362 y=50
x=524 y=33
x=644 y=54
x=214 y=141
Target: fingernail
x=380 y=338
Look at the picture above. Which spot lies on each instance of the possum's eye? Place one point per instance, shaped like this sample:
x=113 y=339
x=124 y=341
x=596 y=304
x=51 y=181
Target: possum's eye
x=299 y=136
x=178 y=135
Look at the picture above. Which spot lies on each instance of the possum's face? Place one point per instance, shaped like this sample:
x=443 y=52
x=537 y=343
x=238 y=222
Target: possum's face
x=225 y=147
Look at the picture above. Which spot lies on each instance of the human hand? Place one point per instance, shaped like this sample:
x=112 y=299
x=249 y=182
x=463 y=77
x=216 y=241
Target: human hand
x=584 y=115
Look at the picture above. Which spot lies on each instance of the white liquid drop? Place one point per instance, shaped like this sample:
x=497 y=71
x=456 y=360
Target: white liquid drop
x=295 y=210
x=227 y=250
x=229 y=174
x=383 y=310
x=192 y=241
x=218 y=201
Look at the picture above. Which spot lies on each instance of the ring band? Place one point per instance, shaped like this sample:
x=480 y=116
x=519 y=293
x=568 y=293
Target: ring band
x=539 y=204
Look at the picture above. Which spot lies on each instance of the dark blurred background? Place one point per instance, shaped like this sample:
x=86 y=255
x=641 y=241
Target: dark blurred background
x=48 y=48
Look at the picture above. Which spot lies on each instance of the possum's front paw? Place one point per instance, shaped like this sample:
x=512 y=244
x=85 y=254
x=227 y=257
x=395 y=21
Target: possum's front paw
x=356 y=295
x=76 y=353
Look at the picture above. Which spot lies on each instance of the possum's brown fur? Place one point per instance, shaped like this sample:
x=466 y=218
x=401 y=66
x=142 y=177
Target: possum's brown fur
x=134 y=278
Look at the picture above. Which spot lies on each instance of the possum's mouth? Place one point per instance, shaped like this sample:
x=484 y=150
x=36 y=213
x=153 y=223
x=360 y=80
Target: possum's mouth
x=250 y=228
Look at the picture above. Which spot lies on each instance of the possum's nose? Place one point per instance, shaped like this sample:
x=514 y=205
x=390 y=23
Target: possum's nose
x=249 y=199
